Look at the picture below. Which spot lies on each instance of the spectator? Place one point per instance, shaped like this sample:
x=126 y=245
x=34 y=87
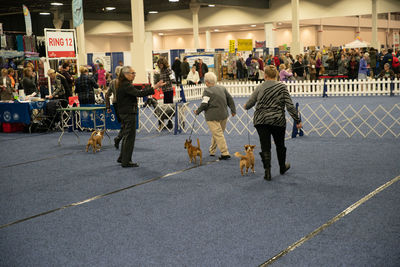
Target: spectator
x=120 y=63
x=202 y=69
x=84 y=87
x=283 y=74
x=69 y=80
x=193 y=76
x=253 y=70
x=318 y=65
x=276 y=61
x=388 y=58
x=260 y=63
x=386 y=73
x=58 y=91
x=176 y=67
x=216 y=99
x=239 y=69
x=11 y=74
x=185 y=68
x=299 y=69
x=272 y=98
x=167 y=77
x=101 y=77
x=312 y=68
x=248 y=60
x=30 y=88
x=6 y=90
x=363 y=68
x=353 y=68
x=342 y=65
x=373 y=59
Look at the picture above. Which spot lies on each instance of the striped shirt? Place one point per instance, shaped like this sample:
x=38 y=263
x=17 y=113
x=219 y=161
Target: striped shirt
x=271 y=98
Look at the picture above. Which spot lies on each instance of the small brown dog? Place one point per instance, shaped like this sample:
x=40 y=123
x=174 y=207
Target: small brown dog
x=95 y=141
x=246 y=161
x=193 y=151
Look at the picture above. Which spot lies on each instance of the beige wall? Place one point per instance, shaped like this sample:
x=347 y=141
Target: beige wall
x=107 y=44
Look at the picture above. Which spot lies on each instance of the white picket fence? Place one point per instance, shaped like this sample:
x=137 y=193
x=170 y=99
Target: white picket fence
x=305 y=88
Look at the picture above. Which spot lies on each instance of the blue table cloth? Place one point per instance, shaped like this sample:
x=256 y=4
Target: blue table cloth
x=19 y=112
x=111 y=118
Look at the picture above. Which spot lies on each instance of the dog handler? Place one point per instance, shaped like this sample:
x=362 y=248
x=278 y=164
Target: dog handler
x=269 y=118
x=215 y=101
x=127 y=96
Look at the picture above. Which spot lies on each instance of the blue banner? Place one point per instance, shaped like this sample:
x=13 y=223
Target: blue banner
x=87 y=118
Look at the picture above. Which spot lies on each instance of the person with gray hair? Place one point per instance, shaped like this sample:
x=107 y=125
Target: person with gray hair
x=363 y=68
x=215 y=102
x=112 y=90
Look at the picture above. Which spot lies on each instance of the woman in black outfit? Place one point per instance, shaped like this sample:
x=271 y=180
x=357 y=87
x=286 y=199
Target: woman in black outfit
x=127 y=95
x=272 y=97
x=28 y=83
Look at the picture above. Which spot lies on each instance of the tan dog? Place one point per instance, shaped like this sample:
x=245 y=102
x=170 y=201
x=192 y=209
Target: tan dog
x=193 y=151
x=95 y=141
x=246 y=161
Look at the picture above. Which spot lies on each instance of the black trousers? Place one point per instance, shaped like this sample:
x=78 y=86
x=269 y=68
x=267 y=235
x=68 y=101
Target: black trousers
x=169 y=97
x=278 y=133
x=128 y=137
x=118 y=118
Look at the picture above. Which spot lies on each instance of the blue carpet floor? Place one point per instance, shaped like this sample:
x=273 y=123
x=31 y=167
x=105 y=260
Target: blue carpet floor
x=205 y=216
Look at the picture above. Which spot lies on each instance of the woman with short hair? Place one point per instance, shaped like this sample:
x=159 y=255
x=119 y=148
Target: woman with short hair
x=127 y=108
x=272 y=97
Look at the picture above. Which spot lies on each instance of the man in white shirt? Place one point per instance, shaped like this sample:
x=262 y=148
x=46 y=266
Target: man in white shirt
x=193 y=76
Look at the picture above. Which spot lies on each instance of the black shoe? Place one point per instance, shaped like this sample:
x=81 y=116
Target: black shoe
x=226 y=157
x=285 y=168
x=119 y=160
x=130 y=165
x=212 y=155
x=267 y=175
x=116 y=142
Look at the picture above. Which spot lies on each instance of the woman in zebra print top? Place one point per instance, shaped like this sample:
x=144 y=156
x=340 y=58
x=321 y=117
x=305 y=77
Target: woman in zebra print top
x=272 y=97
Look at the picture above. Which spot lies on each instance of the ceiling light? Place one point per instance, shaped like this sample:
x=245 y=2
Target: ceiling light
x=211 y=5
x=57 y=4
x=216 y=30
x=174 y=1
x=109 y=8
x=161 y=33
x=279 y=23
x=44 y=13
x=153 y=12
x=253 y=25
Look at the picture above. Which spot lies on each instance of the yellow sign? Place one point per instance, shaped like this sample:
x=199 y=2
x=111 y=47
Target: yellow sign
x=231 y=46
x=245 y=44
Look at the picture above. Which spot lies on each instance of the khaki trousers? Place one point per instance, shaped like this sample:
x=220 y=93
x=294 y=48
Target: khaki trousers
x=217 y=129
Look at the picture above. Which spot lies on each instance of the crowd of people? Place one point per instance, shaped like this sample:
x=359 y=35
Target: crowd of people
x=344 y=64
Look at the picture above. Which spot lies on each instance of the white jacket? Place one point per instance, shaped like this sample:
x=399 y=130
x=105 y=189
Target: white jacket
x=193 y=77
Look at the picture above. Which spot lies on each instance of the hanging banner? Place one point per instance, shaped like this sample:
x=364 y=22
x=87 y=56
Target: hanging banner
x=28 y=21
x=260 y=44
x=77 y=12
x=231 y=46
x=245 y=44
x=1 y=28
x=60 y=44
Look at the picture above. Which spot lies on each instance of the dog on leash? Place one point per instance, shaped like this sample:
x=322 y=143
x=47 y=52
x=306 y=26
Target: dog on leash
x=193 y=151
x=246 y=161
x=166 y=112
x=95 y=141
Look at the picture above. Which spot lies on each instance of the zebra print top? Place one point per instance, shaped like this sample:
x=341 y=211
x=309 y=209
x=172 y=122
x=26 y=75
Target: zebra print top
x=271 y=98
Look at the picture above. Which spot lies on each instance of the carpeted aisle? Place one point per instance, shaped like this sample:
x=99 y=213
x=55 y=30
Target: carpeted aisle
x=206 y=216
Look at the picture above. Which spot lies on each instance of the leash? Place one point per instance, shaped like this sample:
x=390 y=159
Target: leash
x=191 y=132
x=248 y=130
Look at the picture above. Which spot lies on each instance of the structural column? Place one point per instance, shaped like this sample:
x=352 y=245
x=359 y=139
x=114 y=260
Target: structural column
x=295 y=48
x=208 y=39
x=80 y=39
x=320 y=30
x=270 y=30
x=195 y=12
x=358 y=29
x=139 y=52
x=374 y=42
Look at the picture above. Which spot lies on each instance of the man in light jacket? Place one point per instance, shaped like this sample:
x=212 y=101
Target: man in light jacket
x=216 y=100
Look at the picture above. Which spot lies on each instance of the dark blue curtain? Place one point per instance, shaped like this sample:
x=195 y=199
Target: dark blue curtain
x=89 y=58
x=116 y=57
